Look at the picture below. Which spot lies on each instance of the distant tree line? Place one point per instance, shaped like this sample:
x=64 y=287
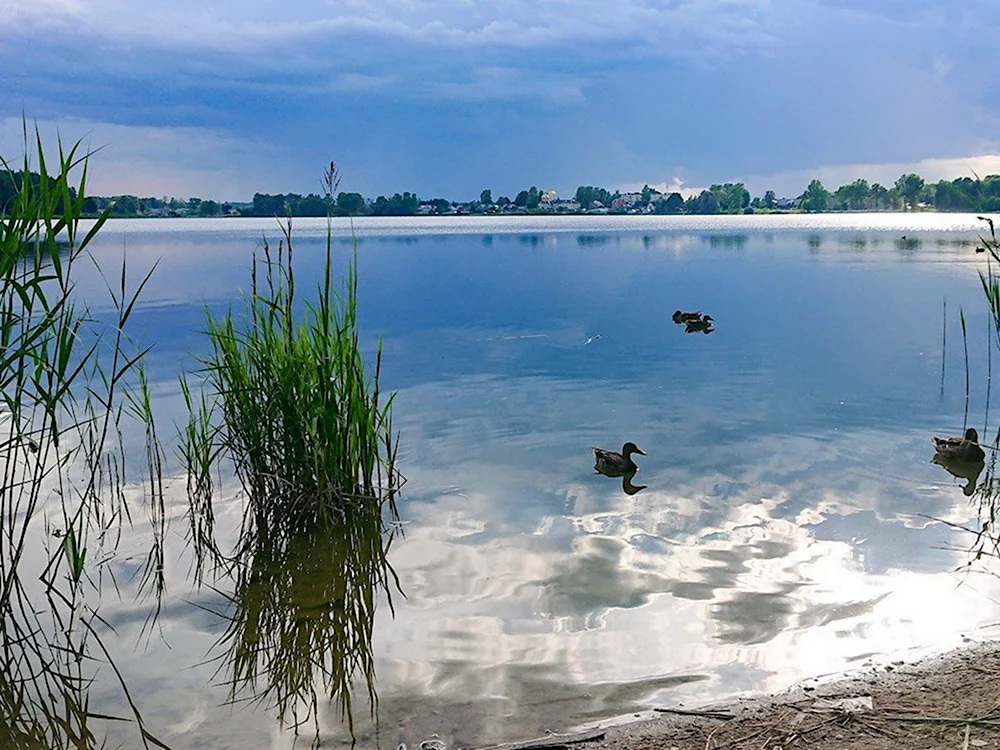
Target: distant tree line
x=131 y=205
x=910 y=192
x=11 y=182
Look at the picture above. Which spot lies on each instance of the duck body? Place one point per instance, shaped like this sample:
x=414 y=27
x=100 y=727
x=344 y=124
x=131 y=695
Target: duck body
x=685 y=317
x=615 y=464
x=960 y=448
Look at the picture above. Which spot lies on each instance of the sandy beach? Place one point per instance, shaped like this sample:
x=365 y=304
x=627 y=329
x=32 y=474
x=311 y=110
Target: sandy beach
x=947 y=701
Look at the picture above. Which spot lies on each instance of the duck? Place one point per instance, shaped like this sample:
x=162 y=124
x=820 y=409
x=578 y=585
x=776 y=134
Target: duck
x=960 y=449
x=685 y=317
x=614 y=464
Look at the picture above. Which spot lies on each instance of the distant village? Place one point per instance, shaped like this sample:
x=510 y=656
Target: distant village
x=646 y=202
x=909 y=193
x=587 y=200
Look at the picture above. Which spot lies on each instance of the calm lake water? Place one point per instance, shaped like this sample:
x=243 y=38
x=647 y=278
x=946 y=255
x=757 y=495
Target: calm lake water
x=783 y=531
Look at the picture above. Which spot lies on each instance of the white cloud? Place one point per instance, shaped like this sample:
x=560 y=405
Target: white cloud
x=974 y=14
x=793 y=182
x=173 y=161
x=699 y=27
x=674 y=185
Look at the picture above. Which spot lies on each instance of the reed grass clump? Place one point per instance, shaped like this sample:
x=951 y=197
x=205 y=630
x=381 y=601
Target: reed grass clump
x=306 y=428
x=67 y=382
x=287 y=403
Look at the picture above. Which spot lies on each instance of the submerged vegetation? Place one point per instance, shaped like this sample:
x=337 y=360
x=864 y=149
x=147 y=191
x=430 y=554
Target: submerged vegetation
x=288 y=403
x=68 y=382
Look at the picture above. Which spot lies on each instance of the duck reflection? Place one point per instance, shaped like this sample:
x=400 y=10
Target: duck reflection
x=628 y=488
x=614 y=464
x=693 y=322
x=969 y=470
x=700 y=326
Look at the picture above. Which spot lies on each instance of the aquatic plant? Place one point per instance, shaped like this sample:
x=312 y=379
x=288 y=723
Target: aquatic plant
x=985 y=492
x=287 y=402
x=65 y=379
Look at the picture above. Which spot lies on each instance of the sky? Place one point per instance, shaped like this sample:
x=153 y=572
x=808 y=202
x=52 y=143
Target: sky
x=447 y=97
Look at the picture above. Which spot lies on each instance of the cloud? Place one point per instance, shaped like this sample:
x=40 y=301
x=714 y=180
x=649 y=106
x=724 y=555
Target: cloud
x=173 y=161
x=793 y=182
x=504 y=83
x=716 y=27
x=674 y=185
x=448 y=96
x=970 y=13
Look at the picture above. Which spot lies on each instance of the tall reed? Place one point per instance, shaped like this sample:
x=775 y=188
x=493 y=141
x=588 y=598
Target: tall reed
x=288 y=403
x=65 y=382
x=986 y=539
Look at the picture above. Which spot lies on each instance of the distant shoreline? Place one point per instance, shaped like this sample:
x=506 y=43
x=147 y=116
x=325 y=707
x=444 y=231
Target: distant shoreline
x=549 y=214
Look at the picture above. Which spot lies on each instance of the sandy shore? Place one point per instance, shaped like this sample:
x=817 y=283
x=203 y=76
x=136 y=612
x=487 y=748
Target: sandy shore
x=950 y=701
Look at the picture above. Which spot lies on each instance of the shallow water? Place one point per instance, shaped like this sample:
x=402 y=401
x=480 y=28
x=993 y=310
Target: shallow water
x=783 y=527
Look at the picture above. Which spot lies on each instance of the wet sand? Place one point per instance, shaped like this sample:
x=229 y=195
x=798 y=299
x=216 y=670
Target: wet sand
x=948 y=701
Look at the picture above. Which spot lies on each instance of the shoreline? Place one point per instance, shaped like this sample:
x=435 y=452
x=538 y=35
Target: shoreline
x=950 y=700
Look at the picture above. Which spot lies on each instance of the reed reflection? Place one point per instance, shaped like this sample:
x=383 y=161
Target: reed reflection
x=289 y=403
x=302 y=611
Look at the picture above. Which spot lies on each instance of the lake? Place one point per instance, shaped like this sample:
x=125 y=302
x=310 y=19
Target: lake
x=784 y=529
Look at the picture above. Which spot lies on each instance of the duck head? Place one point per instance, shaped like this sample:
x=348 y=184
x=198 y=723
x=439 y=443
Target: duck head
x=971 y=435
x=678 y=316
x=629 y=448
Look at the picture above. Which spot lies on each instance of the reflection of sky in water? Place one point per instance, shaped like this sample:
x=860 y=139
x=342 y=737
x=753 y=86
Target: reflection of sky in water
x=780 y=534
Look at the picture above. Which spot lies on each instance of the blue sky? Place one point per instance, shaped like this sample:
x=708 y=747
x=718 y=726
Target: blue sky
x=447 y=97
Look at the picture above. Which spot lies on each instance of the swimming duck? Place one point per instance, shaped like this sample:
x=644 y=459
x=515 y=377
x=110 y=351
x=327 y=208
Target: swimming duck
x=685 y=317
x=614 y=464
x=960 y=449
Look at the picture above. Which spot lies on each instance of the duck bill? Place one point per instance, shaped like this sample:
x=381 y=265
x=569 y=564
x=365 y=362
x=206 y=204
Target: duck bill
x=640 y=451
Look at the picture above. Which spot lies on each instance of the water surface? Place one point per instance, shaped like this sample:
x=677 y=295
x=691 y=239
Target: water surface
x=783 y=531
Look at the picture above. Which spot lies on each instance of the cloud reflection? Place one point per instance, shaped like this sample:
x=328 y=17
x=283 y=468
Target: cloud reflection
x=780 y=536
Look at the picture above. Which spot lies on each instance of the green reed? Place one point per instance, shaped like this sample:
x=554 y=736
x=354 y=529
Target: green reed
x=986 y=542
x=305 y=427
x=293 y=411
x=66 y=381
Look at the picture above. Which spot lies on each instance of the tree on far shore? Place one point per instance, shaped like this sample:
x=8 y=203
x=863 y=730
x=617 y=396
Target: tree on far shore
x=909 y=186
x=815 y=198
